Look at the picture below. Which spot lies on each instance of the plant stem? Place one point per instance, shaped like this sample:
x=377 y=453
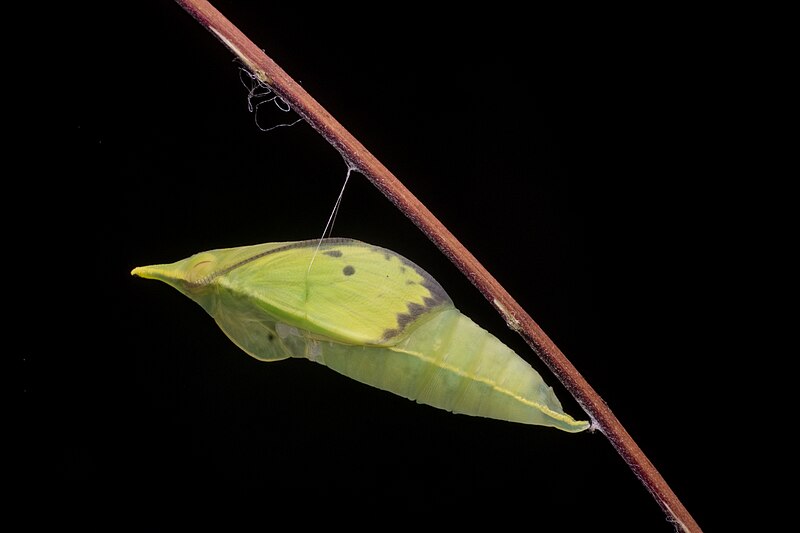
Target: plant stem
x=358 y=157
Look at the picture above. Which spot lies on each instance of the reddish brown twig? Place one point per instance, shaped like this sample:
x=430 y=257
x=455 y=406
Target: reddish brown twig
x=267 y=71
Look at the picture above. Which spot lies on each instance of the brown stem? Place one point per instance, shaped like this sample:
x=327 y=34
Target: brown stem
x=361 y=159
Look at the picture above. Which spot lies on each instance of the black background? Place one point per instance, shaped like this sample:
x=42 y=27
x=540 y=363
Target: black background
x=564 y=150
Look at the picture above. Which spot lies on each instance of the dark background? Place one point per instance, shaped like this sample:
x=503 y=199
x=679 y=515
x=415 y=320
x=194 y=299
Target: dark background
x=566 y=151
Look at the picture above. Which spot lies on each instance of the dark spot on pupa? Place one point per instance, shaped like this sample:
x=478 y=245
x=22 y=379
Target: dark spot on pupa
x=403 y=319
x=387 y=256
x=333 y=253
x=415 y=310
x=389 y=333
x=410 y=282
x=431 y=302
x=403 y=269
x=438 y=295
x=348 y=270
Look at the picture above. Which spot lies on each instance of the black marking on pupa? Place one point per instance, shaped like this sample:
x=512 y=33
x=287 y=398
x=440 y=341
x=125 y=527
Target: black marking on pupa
x=282 y=248
x=414 y=312
x=333 y=253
